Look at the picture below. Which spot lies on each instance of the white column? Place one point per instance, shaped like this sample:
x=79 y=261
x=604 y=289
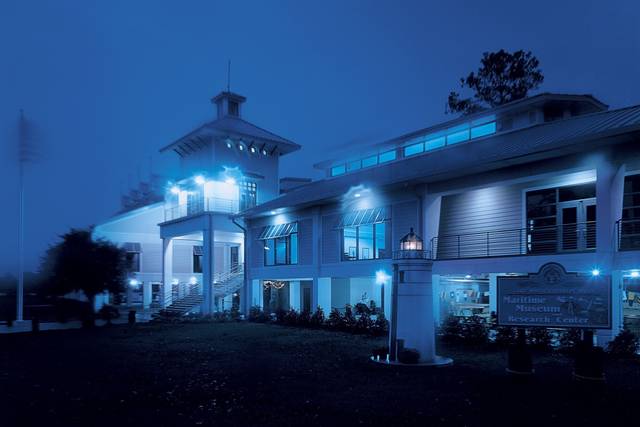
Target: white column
x=294 y=295
x=493 y=292
x=435 y=280
x=321 y=294
x=146 y=294
x=609 y=194
x=603 y=336
x=207 y=271
x=167 y=271
x=256 y=294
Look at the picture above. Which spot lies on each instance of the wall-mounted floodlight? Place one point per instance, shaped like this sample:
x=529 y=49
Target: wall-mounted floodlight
x=193 y=280
x=468 y=276
x=273 y=212
x=595 y=272
x=175 y=189
x=199 y=179
x=264 y=152
x=357 y=195
x=230 y=181
x=134 y=283
x=635 y=274
x=240 y=147
x=253 y=150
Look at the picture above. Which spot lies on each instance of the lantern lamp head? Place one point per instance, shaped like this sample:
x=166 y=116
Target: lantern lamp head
x=411 y=242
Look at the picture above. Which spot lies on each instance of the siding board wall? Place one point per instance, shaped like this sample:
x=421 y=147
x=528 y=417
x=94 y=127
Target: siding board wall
x=305 y=241
x=330 y=239
x=404 y=216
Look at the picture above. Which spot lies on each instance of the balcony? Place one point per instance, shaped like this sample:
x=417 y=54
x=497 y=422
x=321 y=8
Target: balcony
x=200 y=205
x=628 y=234
x=557 y=239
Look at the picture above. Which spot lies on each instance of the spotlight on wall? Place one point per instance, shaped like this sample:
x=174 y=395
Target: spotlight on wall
x=230 y=181
x=240 y=147
x=382 y=277
x=193 y=280
x=357 y=195
x=175 y=189
x=264 y=152
x=133 y=283
x=595 y=272
x=199 y=179
x=273 y=212
x=252 y=149
x=229 y=143
x=635 y=273
x=468 y=276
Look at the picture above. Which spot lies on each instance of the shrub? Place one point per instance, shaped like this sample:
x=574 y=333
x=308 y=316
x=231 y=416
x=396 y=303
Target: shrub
x=335 y=320
x=362 y=308
x=505 y=335
x=257 y=315
x=291 y=318
x=363 y=324
x=474 y=330
x=409 y=356
x=569 y=338
x=539 y=337
x=108 y=313
x=317 y=320
x=380 y=326
x=373 y=308
x=348 y=318
x=235 y=312
x=452 y=329
x=304 y=319
x=281 y=315
x=624 y=345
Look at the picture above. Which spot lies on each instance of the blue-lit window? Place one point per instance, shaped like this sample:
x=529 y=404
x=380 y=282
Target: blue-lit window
x=281 y=251
x=387 y=156
x=457 y=137
x=483 y=130
x=352 y=166
x=432 y=144
x=369 y=161
x=338 y=170
x=366 y=241
x=411 y=150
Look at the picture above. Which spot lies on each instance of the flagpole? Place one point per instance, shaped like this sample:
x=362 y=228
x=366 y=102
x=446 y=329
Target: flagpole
x=20 y=292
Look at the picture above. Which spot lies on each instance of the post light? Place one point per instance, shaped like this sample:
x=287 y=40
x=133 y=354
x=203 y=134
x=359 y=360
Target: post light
x=199 y=179
x=382 y=277
x=635 y=274
x=175 y=190
x=595 y=272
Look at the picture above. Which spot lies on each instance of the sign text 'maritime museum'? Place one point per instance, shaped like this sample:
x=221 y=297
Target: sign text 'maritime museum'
x=554 y=298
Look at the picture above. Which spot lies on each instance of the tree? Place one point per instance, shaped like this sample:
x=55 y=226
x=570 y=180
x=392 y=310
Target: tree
x=79 y=263
x=502 y=77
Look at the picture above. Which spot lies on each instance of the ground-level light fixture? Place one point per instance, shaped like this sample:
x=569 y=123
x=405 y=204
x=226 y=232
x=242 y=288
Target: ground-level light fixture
x=595 y=272
x=199 y=179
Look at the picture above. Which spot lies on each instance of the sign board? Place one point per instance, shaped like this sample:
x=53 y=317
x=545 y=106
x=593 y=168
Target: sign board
x=554 y=298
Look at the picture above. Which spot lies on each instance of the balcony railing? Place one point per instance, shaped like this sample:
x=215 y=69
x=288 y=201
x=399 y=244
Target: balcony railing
x=628 y=234
x=209 y=204
x=514 y=242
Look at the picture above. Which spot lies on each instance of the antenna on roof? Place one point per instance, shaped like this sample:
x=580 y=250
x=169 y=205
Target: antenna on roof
x=229 y=76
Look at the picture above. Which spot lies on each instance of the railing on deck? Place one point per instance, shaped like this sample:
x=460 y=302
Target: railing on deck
x=209 y=204
x=555 y=239
x=628 y=234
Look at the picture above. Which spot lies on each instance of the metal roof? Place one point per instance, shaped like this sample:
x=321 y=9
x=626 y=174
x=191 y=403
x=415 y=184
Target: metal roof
x=280 y=230
x=515 y=147
x=363 y=217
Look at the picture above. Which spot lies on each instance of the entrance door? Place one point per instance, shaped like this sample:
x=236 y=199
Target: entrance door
x=234 y=257
x=577 y=225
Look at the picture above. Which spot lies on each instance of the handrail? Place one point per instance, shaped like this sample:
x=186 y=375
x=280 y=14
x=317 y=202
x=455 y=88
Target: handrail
x=203 y=204
x=530 y=240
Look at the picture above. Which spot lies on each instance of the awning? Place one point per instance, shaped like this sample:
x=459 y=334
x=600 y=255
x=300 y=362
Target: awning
x=132 y=247
x=280 y=230
x=197 y=250
x=363 y=217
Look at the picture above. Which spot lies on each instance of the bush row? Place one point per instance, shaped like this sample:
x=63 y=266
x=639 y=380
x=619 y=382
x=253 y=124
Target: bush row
x=476 y=330
x=361 y=322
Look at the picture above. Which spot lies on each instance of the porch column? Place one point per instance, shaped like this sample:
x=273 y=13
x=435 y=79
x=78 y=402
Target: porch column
x=146 y=295
x=256 y=295
x=493 y=292
x=609 y=194
x=321 y=294
x=167 y=271
x=207 y=271
x=294 y=295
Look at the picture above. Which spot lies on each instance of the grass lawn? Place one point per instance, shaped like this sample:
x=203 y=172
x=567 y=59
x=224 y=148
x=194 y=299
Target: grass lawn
x=254 y=374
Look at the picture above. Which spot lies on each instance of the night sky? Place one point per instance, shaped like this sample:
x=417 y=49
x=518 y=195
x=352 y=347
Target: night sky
x=108 y=83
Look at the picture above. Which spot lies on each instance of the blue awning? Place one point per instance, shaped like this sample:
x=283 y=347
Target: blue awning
x=363 y=217
x=280 y=230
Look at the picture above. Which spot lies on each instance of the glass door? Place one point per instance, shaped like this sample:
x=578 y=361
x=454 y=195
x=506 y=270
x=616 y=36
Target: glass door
x=577 y=225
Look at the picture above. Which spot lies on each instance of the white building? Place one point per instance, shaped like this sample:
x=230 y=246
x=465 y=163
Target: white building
x=190 y=239
x=551 y=178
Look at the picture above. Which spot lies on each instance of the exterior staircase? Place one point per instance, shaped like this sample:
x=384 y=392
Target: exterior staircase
x=225 y=283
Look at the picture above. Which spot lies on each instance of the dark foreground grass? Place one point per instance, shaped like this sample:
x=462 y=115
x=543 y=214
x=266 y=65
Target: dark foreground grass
x=255 y=374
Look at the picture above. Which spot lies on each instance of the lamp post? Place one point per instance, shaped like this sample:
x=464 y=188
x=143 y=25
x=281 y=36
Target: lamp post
x=412 y=321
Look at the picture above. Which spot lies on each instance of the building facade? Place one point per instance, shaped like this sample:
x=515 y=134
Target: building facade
x=187 y=252
x=552 y=178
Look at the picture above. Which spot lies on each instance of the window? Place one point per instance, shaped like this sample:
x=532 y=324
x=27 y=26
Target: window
x=369 y=161
x=483 y=130
x=197 y=259
x=630 y=224
x=457 y=137
x=413 y=149
x=248 y=194
x=387 y=156
x=338 y=170
x=366 y=241
x=352 y=166
x=282 y=250
x=234 y=109
x=133 y=260
x=432 y=144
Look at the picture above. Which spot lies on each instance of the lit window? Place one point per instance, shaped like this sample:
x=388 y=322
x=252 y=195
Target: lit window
x=414 y=149
x=457 y=137
x=338 y=170
x=281 y=250
x=369 y=161
x=365 y=241
x=352 y=166
x=483 y=130
x=387 y=156
x=432 y=144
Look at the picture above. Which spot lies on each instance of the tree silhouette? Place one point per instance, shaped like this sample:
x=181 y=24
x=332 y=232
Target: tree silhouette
x=79 y=263
x=502 y=77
